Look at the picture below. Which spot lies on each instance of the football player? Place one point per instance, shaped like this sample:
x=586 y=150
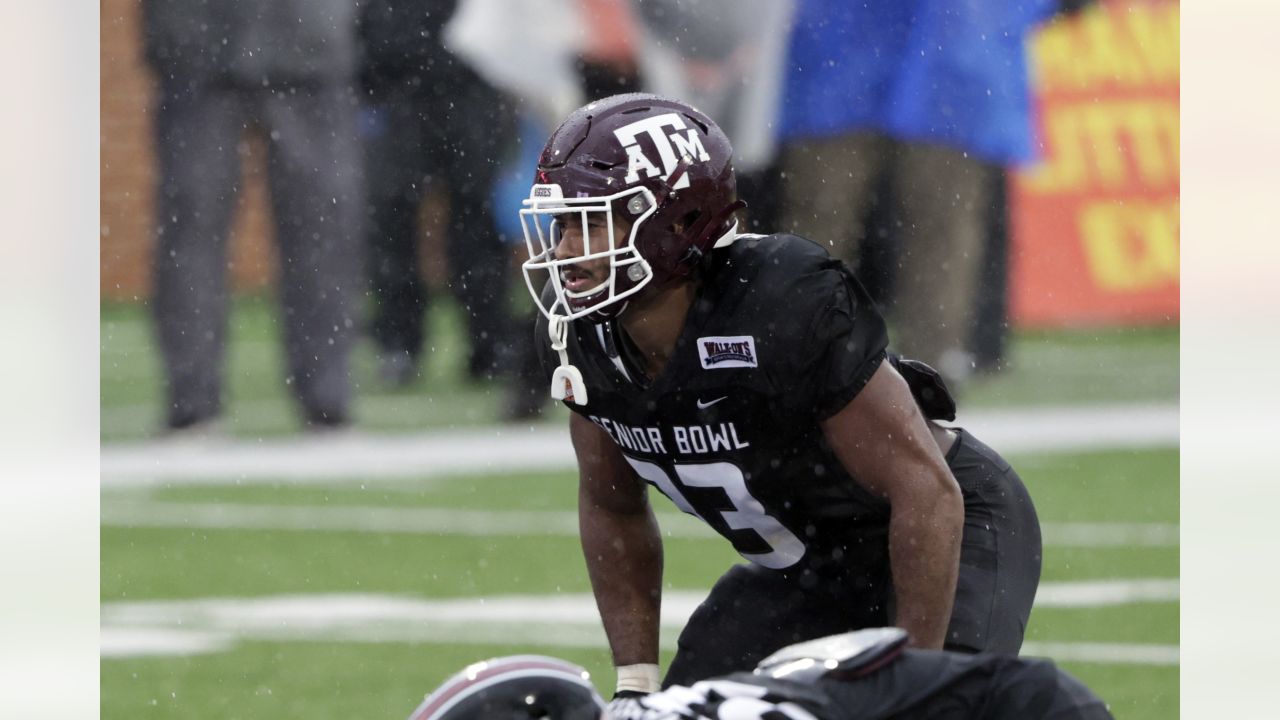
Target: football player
x=745 y=377
x=865 y=675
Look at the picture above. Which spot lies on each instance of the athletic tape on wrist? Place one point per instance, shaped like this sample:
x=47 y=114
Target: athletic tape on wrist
x=642 y=677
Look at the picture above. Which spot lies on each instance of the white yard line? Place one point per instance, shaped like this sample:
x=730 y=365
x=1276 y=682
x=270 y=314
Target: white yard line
x=505 y=449
x=442 y=521
x=479 y=523
x=320 y=459
x=1085 y=534
x=131 y=629
x=1108 y=653
x=1103 y=593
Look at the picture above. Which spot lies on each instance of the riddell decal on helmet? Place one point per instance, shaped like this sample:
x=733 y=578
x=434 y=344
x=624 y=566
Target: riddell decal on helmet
x=737 y=351
x=671 y=147
x=546 y=191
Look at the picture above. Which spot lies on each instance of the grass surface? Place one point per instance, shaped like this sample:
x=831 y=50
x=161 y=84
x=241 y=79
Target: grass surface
x=1061 y=367
x=323 y=679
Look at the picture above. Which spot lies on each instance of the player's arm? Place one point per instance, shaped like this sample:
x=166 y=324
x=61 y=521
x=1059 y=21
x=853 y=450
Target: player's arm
x=883 y=441
x=621 y=542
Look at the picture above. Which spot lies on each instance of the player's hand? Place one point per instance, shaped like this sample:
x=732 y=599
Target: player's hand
x=625 y=705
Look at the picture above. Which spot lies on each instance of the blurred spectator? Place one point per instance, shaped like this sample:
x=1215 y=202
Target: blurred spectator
x=528 y=49
x=549 y=55
x=282 y=68
x=431 y=123
x=990 y=336
x=878 y=260
x=726 y=58
x=932 y=93
x=607 y=61
x=991 y=322
x=527 y=395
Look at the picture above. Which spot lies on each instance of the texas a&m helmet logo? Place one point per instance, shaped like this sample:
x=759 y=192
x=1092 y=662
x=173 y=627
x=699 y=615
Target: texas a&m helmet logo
x=673 y=140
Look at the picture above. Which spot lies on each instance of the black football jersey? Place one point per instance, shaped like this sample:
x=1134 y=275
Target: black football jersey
x=780 y=337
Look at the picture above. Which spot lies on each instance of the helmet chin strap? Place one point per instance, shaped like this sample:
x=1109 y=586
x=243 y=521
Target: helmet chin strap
x=715 y=222
x=566 y=382
x=673 y=177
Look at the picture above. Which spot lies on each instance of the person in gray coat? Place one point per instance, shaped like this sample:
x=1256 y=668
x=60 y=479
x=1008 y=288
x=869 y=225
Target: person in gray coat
x=284 y=68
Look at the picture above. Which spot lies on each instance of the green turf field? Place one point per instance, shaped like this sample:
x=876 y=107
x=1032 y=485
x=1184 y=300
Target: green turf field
x=378 y=668
x=1061 y=367
x=268 y=599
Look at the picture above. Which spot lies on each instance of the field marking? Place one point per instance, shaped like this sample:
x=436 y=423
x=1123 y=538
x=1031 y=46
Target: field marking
x=311 y=459
x=447 y=521
x=1110 y=534
x=1104 y=593
x=1117 y=653
x=150 y=628
x=507 y=449
x=153 y=642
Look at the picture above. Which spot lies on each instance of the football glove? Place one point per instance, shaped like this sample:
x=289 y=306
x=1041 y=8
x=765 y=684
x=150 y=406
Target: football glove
x=625 y=705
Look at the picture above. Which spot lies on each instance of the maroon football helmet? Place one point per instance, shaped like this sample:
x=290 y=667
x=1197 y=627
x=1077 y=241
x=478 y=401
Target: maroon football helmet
x=519 y=687
x=659 y=165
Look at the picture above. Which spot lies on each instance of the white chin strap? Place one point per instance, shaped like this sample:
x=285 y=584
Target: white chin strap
x=566 y=381
x=728 y=237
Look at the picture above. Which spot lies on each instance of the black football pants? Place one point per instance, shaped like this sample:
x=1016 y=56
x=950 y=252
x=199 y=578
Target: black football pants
x=947 y=686
x=753 y=611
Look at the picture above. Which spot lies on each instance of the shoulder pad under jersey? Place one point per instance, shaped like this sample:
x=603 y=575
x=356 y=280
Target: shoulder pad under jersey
x=848 y=654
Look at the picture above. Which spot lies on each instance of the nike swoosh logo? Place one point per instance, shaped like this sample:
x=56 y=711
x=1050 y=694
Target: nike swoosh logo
x=705 y=405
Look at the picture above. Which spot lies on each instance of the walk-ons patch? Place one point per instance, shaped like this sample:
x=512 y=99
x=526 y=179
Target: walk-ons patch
x=737 y=351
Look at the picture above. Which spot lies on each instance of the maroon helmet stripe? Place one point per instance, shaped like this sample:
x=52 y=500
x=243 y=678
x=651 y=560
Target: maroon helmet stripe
x=463 y=685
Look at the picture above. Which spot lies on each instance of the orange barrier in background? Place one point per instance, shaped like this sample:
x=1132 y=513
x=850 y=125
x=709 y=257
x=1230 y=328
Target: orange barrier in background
x=1095 y=222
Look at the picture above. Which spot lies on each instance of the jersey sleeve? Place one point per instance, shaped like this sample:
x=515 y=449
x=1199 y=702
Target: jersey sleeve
x=843 y=344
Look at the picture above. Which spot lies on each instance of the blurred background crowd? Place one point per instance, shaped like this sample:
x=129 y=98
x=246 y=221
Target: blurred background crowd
x=382 y=148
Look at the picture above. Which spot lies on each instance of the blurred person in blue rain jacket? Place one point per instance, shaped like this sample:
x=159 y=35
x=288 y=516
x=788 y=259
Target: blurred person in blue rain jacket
x=932 y=94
